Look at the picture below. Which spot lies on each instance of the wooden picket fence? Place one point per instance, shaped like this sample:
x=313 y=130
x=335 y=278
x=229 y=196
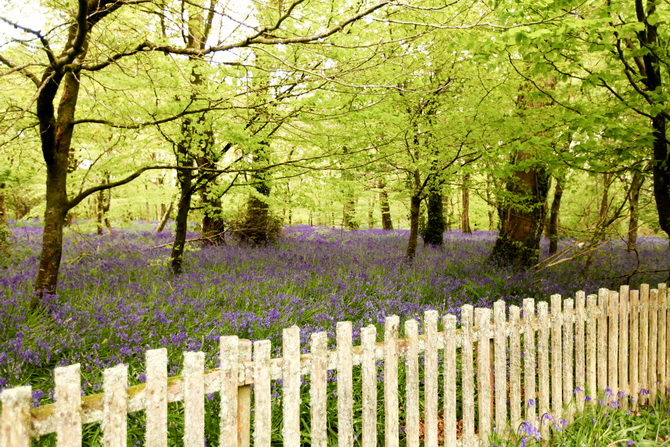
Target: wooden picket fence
x=506 y=369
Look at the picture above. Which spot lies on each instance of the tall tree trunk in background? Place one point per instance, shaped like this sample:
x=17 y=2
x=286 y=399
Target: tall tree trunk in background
x=387 y=222
x=103 y=203
x=213 y=224
x=185 y=181
x=465 y=209
x=371 y=212
x=435 y=225
x=553 y=216
x=414 y=210
x=56 y=137
x=349 y=220
x=258 y=218
x=197 y=138
x=3 y=206
x=165 y=217
x=522 y=215
x=633 y=204
x=604 y=208
x=651 y=71
x=489 y=202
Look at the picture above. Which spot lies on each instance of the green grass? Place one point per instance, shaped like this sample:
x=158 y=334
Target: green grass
x=601 y=424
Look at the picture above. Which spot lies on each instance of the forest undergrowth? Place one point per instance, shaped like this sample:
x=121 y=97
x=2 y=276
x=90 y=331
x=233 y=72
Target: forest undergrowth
x=117 y=297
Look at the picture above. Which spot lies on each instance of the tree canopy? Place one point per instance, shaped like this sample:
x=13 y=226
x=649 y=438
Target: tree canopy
x=324 y=109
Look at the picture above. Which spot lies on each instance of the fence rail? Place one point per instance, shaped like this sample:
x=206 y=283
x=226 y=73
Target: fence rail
x=505 y=368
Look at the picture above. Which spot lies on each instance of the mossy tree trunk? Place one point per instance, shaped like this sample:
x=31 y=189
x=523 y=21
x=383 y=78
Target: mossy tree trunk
x=633 y=209
x=435 y=224
x=522 y=215
x=387 y=221
x=554 y=216
x=465 y=209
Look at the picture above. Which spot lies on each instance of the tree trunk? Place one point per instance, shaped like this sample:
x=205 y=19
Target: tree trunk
x=553 y=216
x=522 y=216
x=56 y=137
x=103 y=204
x=3 y=206
x=349 y=220
x=489 y=201
x=465 y=214
x=185 y=179
x=387 y=222
x=661 y=172
x=603 y=210
x=435 y=225
x=414 y=210
x=167 y=211
x=633 y=203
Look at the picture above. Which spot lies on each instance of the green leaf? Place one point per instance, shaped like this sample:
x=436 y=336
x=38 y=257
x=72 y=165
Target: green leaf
x=653 y=19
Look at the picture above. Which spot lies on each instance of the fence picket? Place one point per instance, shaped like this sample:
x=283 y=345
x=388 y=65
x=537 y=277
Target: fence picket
x=115 y=403
x=229 y=360
x=591 y=338
x=514 y=367
x=500 y=367
x=662 y=340
x=529 y=373
x=156 y=397
x=483 y=321
x=580 y=350
x=568 y=355
x=644 y=344
x=15 y=418
x=653 y=344
x=345 y=399
x=430 y=378
x=391 y=435
x=543 y=365
x=244 y=399
x=369 y=385
x=613 y=344
x=634 y=311
x=603 y=297
x=262 y=394
x=624 y=297
x=291 y=386
x=194 y=398
x=318 y=388
x=467 y=379
x=68 y=404
x=449 y=323
x=412 y=383
x=557 y=374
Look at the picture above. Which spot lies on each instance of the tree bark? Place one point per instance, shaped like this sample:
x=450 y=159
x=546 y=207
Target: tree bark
x=103 y=204
x=56 y=137
x=653 y=82
x=435 y=225
x=553 y=216
x=414 y=210
x=465 y=211
x=165 y=217
x=349 y=220
x=387 y=222
x=522 y=216
x=633 y=203
x=3 y=206
x=185 y=180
